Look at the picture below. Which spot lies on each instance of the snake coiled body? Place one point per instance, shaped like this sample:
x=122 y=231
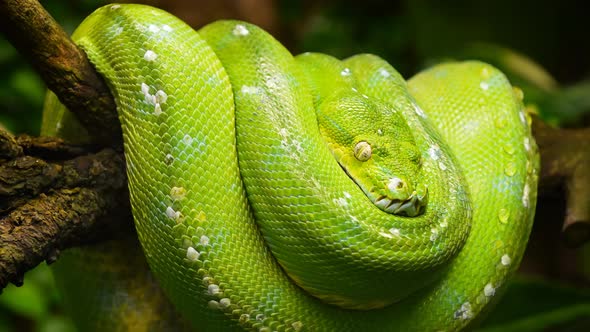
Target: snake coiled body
x=249 y=222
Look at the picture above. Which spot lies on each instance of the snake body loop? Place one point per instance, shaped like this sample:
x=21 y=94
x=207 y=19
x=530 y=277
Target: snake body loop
x=274 y=193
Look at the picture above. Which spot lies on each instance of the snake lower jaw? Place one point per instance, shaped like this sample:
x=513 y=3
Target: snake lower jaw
x=412 y=206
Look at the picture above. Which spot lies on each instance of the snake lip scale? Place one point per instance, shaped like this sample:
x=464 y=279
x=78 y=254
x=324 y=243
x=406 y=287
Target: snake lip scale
x=410 y=207
x=244 y=215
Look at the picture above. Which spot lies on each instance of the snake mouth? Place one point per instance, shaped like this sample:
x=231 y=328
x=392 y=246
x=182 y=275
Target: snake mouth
x=412 y=206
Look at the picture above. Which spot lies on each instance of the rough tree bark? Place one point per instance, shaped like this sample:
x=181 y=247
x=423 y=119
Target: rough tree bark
x=55 y=196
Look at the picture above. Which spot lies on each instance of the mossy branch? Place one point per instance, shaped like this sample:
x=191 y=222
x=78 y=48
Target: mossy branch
x=47 y=205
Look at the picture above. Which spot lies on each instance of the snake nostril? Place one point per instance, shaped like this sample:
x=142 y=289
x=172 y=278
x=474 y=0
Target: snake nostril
x=395 y=185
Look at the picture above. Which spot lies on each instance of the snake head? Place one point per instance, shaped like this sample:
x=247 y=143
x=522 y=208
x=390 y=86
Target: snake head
x=374 y=145
x=388 y=177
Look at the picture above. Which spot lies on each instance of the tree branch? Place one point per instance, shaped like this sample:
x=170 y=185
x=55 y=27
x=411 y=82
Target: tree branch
x=565 y=161
x=47 y=206
x=63 y=67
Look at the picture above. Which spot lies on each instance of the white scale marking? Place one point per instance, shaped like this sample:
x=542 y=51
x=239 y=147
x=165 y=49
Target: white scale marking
x=150 y=55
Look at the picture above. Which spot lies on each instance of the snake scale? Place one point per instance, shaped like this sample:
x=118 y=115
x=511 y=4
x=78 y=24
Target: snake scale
x=281 y=193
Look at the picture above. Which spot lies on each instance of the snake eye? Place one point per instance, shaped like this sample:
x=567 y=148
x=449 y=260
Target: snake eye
x=362 y=151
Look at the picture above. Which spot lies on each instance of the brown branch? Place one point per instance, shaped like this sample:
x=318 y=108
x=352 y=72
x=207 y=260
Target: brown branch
x=37 y=169
x=48 y=206
x=565 y=161
x=63 y=67
x=51 y=148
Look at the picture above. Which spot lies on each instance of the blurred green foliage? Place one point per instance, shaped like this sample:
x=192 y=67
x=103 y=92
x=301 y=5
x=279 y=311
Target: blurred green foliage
x=35 y=306
x=532 y=304
x=21 y=92
x=540 y=45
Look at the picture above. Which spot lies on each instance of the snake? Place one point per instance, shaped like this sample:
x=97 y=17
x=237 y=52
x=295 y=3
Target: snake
x=273 y=192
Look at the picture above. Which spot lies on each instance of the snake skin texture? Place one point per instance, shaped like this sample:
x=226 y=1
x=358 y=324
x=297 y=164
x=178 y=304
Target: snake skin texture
x=259 y=181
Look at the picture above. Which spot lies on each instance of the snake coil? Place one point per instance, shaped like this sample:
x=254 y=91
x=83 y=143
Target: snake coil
x=304 y=194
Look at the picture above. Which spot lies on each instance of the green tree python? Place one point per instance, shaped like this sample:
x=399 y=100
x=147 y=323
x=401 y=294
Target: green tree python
x=281 y=193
